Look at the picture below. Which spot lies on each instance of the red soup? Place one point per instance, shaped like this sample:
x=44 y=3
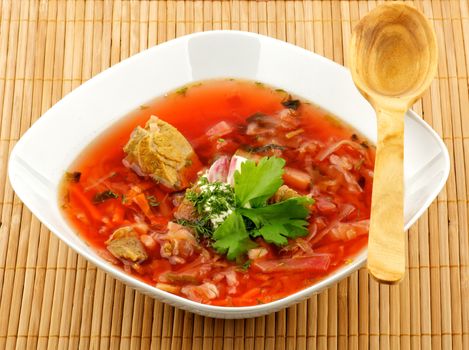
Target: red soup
x=225 y=192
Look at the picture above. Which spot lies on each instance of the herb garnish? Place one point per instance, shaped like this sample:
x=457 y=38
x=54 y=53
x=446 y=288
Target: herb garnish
x=231 y=217
x=291 y=104
x=104 y=196
x=73 y=176
x=152 y=201
x=200 y=226
x=182 y=91
x=246 y=265
x=265 y=148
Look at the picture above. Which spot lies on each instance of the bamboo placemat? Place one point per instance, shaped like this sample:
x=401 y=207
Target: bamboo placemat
x=52 y=298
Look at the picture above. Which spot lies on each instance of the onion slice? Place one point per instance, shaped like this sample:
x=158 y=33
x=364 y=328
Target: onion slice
x=317 y=262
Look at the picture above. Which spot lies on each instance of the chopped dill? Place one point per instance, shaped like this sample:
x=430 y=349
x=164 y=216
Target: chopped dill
x=152 y=201
x=104 y=196
x=246 y=265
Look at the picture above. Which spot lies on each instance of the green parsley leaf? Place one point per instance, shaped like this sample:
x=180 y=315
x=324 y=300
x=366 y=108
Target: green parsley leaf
x=255 y=184
x=277 y=222
x=232 y=238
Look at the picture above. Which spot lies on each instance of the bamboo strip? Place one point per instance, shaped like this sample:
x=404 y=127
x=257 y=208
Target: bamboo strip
x=456 y=212
x=7 y=100
x=62 y=69
x=49 y=96
x=42 y=233
x=259 y=339
x=30 y=226
x=17 y=226
x=188 y=331
x=127 y=310
x=171 y=20
x=157 y=325
x=228 y=335
x=463 y=55
x=178 y=318
x=312 y=322
x=394 y=316
x=450 y=188
x=352 y=304
x=146 y=322
x=218 y=329
x=454 y=208
x=280 y=329
x=198 y=332
x=189 y=16
x=383 y=317
x=5 y=29
x=460 y=101
x=208 y=333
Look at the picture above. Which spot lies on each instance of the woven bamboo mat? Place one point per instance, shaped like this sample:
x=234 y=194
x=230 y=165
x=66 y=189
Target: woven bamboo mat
x=52 y=298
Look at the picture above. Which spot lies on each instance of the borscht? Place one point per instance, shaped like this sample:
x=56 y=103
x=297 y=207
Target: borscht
x=226 y=192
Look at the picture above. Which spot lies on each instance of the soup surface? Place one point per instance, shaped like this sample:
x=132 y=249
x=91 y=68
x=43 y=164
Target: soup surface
x=252 y=196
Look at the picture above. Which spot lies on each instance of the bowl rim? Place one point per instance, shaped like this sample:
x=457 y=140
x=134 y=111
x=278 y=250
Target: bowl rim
x=227 y=311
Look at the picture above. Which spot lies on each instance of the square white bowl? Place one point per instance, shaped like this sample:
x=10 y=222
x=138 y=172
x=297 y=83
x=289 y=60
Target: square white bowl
x=47 y=149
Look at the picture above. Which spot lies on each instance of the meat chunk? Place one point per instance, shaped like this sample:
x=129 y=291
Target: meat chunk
x=160 y=151
x=178 y=244
x=125 y=245
x=204 y=292
x=186 y=211
x=284 y=193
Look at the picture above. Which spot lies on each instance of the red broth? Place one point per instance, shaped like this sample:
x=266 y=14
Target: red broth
x=337 y=163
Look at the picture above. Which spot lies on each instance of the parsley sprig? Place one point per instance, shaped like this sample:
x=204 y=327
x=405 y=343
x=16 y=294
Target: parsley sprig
x=250 y=215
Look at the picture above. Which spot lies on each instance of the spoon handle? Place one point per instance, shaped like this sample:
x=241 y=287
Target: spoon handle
x=386 y=246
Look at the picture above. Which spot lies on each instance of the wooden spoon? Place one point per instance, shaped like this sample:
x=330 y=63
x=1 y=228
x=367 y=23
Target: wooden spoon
x=393 y=59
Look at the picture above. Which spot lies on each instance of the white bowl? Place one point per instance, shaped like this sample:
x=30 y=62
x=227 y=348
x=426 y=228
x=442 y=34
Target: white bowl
x=45 y=151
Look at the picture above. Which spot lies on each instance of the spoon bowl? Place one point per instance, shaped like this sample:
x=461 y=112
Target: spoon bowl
x=393 y=59
x=393 y=54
